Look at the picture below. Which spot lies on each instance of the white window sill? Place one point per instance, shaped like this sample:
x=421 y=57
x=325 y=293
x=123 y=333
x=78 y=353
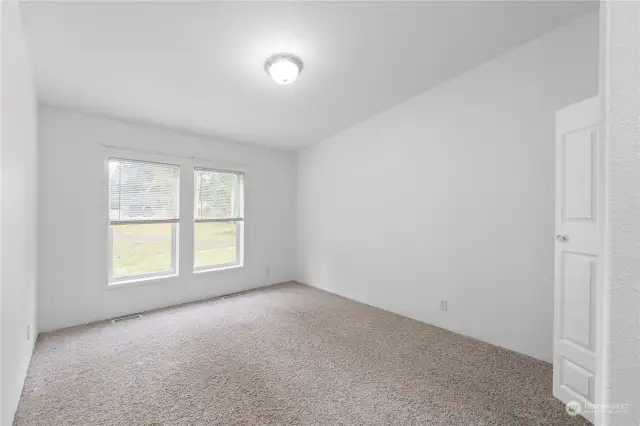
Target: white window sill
x=138 y=281
x=215 y=269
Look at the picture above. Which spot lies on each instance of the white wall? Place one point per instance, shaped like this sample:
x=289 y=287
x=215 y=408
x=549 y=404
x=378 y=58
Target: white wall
x=73 y=218
x=18 y=177
x=620 y=82
x=449 y=196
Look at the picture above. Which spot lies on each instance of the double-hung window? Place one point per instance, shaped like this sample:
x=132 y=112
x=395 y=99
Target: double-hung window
x=144 y=206
x=218 y=219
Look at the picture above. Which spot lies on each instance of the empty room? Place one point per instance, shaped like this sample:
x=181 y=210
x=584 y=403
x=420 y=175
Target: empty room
x=320 y=213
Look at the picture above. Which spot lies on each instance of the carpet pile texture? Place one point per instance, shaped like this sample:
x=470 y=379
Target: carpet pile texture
x=286 y=354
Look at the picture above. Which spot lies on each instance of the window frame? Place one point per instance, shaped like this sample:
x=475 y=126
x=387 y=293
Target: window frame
x=239 y=221
x=175 y=229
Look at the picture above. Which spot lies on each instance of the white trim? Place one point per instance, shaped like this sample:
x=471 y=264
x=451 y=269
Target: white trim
x=135 y=160
x=225 y=219
x=240 y=243
x=141 y=277
x=175 y=249
x=192 y=159
x=109 y=255
x=218 y=269
x=124 y=154
x=186 y=236
x=142 y=221
x=214 y=267
x=213 y=169
x=140 y=281
x=208 y=165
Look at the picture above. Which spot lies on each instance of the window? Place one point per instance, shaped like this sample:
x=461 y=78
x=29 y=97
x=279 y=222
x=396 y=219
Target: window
x=143 y=219
x=219 y=219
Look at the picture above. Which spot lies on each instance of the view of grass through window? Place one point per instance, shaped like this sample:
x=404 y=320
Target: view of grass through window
x=141 y=249
x=215 y=243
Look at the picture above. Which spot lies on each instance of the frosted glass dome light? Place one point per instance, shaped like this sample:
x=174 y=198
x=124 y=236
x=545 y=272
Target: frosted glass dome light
x=283 y=68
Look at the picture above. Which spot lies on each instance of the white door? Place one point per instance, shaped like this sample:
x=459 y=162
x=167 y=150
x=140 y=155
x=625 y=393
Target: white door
x=578 y=253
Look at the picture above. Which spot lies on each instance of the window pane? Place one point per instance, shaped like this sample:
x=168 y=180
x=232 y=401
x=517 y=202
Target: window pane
x=217 y=194
x=141 y=190
x=215 y=244
x=142 y=249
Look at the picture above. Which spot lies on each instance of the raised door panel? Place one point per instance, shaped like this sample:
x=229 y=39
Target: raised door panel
x=578 y=175
x=578 y=279
x=577 y=380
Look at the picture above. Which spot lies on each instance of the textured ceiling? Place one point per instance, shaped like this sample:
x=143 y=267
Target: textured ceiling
x=199 y=66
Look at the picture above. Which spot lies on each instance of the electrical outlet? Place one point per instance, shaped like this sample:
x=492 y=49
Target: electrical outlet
x=444 y=305
x=267 y=272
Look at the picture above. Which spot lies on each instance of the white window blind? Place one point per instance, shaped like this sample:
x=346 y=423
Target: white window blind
x=143 y=191
x=218 y=195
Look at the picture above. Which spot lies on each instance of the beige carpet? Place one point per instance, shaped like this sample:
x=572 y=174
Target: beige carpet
x=287 y=354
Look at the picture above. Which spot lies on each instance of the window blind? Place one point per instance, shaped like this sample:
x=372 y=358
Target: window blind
x=142 y=191
x=218 y=194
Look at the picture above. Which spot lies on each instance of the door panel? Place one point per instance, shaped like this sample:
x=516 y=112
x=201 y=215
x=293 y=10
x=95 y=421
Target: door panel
x=578 y=248
x=577 y=298
x=577 y=379
x=578 y=188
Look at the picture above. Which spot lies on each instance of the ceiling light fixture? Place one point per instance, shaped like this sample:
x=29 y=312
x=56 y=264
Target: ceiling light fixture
x=283 y=68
